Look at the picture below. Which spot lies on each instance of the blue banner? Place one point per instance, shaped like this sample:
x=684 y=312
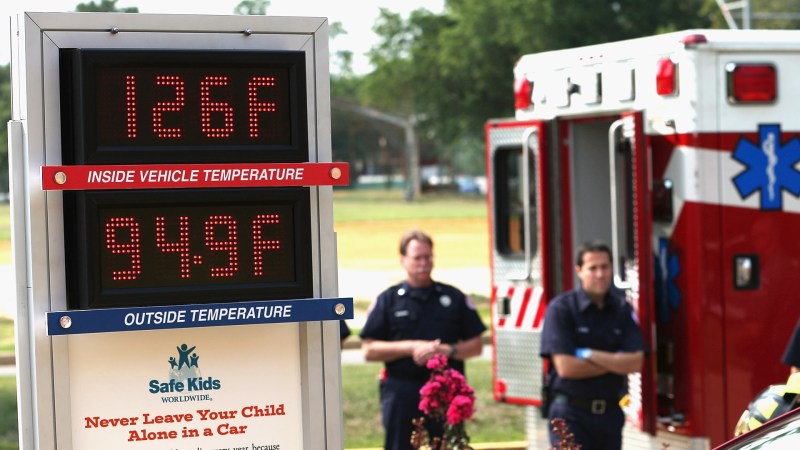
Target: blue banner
x=197 y=315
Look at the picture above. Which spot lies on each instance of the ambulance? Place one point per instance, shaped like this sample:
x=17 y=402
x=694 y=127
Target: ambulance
x=681 y=152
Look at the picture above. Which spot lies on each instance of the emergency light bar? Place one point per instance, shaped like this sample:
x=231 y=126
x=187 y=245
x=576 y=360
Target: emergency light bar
x=693 y=40
x=751 y=83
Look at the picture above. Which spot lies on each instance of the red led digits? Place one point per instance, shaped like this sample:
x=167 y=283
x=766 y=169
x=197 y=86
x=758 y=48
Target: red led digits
x=208 y=107
x=133 y=247
x=173 y=103
x=260 y=244
x=130 y=105
x=169 y=106
x=230 y=245
x=181 y=246
x=254 y=105
x=246 y=242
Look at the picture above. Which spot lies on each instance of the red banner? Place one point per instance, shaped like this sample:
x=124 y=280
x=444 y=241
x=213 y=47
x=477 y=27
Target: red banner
x=168 y=176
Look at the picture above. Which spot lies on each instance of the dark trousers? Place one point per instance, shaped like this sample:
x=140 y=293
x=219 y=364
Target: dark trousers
x=399 y=406
x=591 y=431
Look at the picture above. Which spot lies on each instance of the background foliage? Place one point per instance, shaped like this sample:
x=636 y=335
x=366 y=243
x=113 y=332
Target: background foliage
x=452 y=71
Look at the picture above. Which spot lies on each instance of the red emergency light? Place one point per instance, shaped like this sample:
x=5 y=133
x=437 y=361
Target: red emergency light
x=523 y=89
x=667 y=77
x=693 y=40
x=751 y=83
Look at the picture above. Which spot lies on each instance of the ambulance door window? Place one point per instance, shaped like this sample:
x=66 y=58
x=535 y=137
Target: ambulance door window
x=623 y=191
x=509 y=201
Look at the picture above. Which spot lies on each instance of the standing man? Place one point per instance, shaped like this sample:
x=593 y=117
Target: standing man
x=407 y=325
x=592 y=338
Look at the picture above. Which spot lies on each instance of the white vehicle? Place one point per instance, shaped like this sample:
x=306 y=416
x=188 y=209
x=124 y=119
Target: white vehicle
x=680 y=151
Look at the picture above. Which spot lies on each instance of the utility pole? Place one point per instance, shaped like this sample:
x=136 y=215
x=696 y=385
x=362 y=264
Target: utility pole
x=412 y=153
x=414 y=185
x=727 y=7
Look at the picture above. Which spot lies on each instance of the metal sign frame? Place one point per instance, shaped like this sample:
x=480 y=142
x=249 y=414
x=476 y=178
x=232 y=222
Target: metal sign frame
x=43 y=383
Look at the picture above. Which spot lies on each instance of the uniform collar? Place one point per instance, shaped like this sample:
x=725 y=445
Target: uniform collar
x=404 y=289
x=585 y=302
x=406 y=286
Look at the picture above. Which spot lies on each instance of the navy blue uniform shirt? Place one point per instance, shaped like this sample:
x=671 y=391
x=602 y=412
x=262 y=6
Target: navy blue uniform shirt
x=792 y=354
x=344 y=330
x=573 y=321
x=439 y=311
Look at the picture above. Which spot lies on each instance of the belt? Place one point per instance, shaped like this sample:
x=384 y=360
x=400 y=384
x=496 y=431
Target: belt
x=594 y=406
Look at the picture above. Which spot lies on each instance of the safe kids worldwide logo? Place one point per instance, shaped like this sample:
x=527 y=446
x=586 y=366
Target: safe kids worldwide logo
x=185 y=381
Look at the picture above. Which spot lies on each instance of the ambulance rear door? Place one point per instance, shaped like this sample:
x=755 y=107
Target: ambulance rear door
x=515 y=157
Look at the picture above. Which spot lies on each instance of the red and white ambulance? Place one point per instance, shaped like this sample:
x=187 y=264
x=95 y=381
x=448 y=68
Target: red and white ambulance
x=681 y=151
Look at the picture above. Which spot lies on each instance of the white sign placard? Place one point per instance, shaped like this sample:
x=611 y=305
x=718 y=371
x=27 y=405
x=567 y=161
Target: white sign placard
x=187 y=389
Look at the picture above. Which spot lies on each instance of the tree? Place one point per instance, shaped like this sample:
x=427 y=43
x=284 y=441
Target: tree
x=104 y=6
x=764 y=14
x=775 y=14
x=252 y=8
x=5 y=116
x=454 y=70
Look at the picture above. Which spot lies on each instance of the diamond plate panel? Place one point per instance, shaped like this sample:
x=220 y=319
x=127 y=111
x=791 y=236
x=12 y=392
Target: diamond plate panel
x=519 y=363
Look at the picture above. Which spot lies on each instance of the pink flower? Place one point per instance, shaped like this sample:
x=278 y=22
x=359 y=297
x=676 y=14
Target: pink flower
x=437 y=362
x=460 y=409
x=446 y=397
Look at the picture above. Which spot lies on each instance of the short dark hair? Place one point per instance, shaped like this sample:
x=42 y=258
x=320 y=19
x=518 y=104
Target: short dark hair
x=414 y=235
x=591 y=247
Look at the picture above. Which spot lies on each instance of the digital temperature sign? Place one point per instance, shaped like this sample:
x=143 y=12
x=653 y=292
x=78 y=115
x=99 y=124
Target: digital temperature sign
x=178 y=106
x=137 y=248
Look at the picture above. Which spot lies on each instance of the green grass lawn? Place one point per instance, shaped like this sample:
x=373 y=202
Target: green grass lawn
x=8 y=385
x=8 y=414
x=5 y=234
x=379 y=205
x=368 y=225
x=6 y=335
